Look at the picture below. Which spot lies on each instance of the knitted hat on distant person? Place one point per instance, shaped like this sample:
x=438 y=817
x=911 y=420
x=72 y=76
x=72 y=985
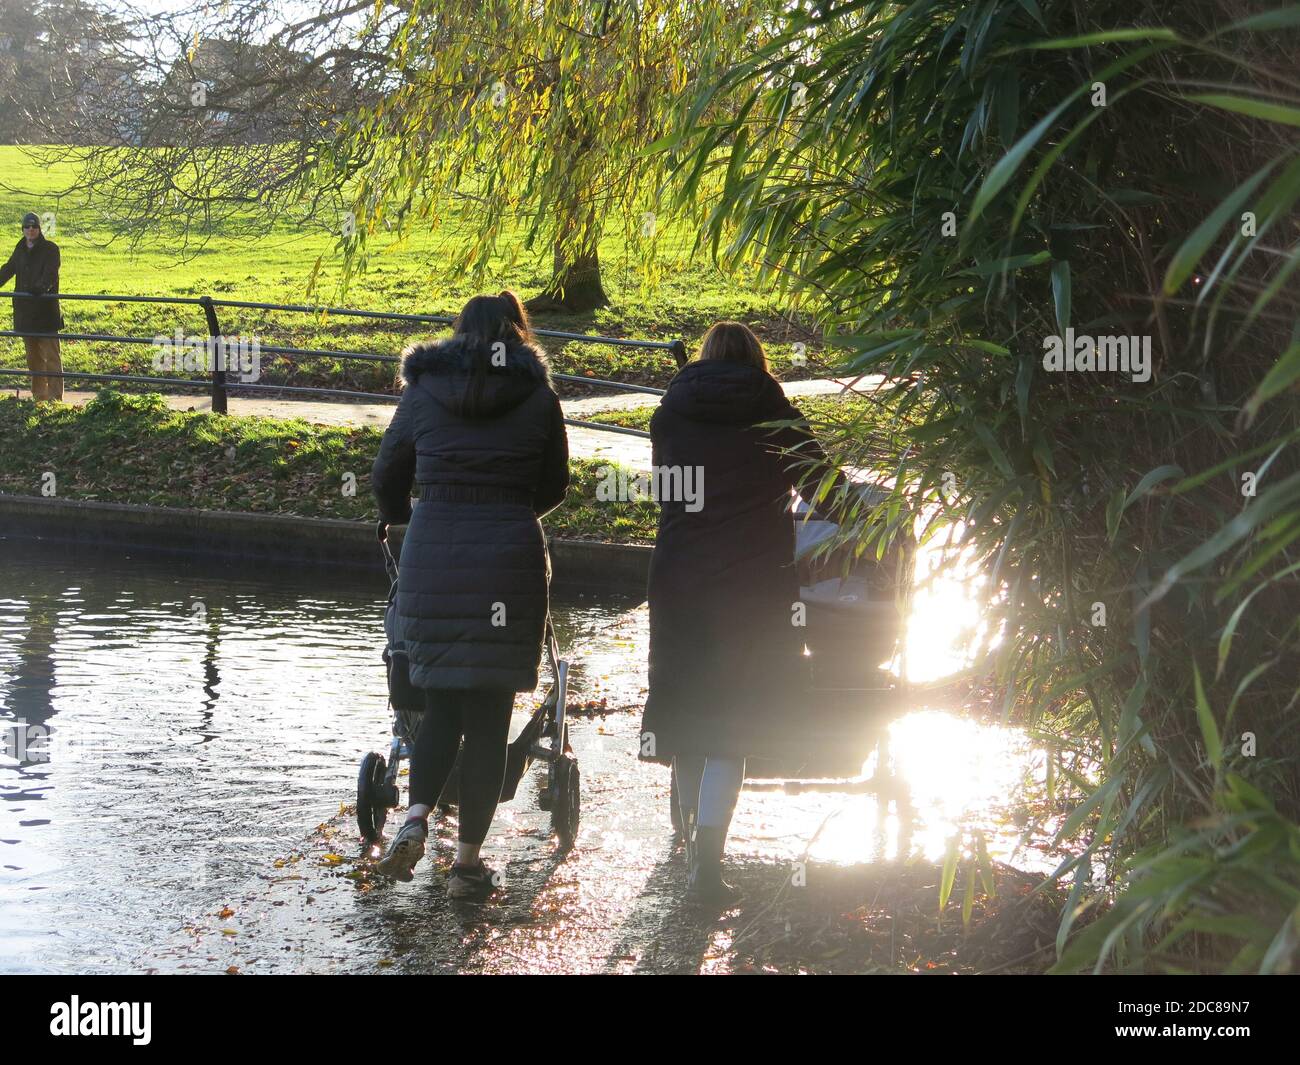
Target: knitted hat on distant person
x=31 y=219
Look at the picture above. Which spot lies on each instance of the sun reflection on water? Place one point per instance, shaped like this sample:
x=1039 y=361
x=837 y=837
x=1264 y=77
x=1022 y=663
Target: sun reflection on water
x=948 y=774
x=951 y=774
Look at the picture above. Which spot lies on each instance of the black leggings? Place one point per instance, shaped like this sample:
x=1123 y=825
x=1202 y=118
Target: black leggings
x=483 y=719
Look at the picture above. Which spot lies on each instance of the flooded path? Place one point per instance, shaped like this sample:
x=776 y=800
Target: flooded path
x=189 y=808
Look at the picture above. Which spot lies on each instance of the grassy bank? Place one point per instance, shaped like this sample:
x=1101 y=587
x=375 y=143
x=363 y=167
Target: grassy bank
x=279 y=265
x=830 y=412
x=133 y=449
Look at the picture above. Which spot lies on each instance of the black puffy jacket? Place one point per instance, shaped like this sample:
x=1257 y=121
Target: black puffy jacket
x=34 y=270
x=727 y=674
x=489 y=459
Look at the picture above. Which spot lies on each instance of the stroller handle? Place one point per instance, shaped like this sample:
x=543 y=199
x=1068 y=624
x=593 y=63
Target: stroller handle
x=390 y=563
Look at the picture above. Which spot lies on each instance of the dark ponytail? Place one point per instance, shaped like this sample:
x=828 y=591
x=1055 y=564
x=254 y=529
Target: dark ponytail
x=489 y=319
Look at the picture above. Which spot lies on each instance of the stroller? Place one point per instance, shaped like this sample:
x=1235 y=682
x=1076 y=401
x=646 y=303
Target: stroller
x=853 y=626
x=544 y=737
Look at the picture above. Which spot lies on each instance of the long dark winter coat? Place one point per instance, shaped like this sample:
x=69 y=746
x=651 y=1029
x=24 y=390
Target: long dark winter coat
x=472 y=596
x=34 y=270
x=726 y=667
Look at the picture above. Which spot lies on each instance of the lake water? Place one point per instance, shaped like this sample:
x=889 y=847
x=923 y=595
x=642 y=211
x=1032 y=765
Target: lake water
x=174 y=730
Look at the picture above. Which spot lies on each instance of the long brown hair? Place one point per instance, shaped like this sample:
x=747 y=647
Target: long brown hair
x=488 y=319
x=733 y=342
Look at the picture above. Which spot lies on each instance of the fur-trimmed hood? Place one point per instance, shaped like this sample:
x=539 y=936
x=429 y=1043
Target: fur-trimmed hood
x=445 y=369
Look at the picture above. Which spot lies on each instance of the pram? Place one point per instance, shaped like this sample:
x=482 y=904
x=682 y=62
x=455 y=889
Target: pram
x=853 y=625
x=544 y=737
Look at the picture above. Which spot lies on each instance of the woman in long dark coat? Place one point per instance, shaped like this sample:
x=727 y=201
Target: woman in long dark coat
x=480 y=431
x=726 y=663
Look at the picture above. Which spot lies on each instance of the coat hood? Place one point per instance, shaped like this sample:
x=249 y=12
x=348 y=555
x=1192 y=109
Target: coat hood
x=445 y=369
x=729 y=393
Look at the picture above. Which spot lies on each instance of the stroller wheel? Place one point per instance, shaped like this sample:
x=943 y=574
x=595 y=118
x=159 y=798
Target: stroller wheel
x=565 y=799
x=372 y=809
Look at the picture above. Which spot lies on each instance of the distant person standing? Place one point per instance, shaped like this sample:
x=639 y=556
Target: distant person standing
x=35 y=266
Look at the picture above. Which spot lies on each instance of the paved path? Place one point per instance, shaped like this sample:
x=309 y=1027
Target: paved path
x=583 y=443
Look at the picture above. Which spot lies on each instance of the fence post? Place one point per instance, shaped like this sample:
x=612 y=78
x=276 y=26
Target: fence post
x=218 y=370
x=679 y=353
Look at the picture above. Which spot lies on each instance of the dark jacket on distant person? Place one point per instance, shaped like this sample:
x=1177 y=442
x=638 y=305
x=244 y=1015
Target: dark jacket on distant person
x=727 y=672
x=34 y=270
x=487 y=449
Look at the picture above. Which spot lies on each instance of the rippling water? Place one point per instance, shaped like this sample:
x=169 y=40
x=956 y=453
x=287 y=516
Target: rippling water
x=167 y=726
x=185 y=725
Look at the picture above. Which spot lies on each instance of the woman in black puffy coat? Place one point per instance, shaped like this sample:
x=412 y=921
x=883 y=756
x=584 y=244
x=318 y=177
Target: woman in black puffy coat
x=727 y=673
x=480 y=433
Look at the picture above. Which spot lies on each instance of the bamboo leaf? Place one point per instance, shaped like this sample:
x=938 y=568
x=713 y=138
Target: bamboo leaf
x=1195 y=246
x=986 y=869
x=1082 y=874
x=1061 y=294
x=994 y=448
x=1244 y=105
x=949 y=872
x=1114 y=510
x=1086 y=40
x=1010 y=163
x=1262 y=509
x=1282 y=375
x=1205 y=718
x=1280 y=18
x=1150 y=479
x=1283 y=947
x=1008 y=264
x=1083 y=810
x=1007 y=166
x=1230 y=629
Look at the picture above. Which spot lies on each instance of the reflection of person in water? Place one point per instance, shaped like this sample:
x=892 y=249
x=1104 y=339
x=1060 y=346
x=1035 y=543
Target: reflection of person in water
x=29 y=697
x=211 y=674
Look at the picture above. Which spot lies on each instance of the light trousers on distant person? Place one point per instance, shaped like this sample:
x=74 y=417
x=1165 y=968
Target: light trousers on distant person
x=43 y=358
x=707 y=789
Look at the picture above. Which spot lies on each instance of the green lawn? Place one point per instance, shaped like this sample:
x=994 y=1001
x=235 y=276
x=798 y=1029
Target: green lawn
x=134 y=449
x=127 y=448
x=821 y=411
x=690 y=294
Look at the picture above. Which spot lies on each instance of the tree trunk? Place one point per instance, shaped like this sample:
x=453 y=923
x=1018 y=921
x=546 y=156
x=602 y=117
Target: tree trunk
x=574 y=286
x=575 y=272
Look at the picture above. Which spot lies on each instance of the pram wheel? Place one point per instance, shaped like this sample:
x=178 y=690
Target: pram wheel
x=565 y=799
x=372 y=804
